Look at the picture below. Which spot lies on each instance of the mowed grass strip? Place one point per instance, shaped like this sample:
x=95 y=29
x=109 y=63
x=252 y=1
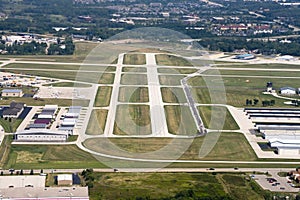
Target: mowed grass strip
x=49 y=157
x=134 y=69
x=255 y=73
x=172 y=80
x=132 y=120
x=176 y=70
x=97 y=122
x=42 y=102
x=221 y=119
x=266 y=66
x=134 y=79
x=171 y=60
x=42 y=66
x=103 y=96
x=68 y=84
x=134 y=59
x=180 y=120
x=173 y=95
x=133 y=94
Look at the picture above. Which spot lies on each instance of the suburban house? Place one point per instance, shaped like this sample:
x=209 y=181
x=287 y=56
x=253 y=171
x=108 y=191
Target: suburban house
x=12 y=93
x=287 y=91
x=14 y=110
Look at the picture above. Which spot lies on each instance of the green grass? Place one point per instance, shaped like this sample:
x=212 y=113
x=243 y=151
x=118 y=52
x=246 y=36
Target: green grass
x=134 y=79
x=134 y=59
x=173 y=80
x=173 y=95
x=103 y=95
x=134 y=69
x=133 y=94
x=132 y=120
x=177 y=70
x=68 y=84
x=221 y=115
x=97 y=122
x=180 y=120
x=89 y=77
x=225 y=148
x=266 y=66
x=10 y=126
x=237 y=90
x=49 y=157
x=42 y=102
x=255 y=73
x=171 y=60
x=42 y=66
x=156 y=186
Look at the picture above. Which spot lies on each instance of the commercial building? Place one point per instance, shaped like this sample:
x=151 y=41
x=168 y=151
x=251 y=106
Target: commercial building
x=286 y=146
x=14 y=110
x=40 y=135
x=21 y=181
x=12 y=93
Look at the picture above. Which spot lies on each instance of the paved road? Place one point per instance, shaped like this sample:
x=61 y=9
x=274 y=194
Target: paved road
x=157 y=112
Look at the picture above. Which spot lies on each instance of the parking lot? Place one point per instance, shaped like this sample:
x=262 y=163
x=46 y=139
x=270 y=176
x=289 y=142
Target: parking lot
x=274 y=183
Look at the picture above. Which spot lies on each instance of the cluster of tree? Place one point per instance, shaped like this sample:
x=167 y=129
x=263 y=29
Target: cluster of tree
x=231 y=44
x=21 y=172
x=254 y=102
x=31 y=48
x=62 y=48
x=89 y=177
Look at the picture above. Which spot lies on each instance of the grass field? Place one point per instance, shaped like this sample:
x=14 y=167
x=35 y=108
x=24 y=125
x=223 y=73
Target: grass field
x=180 y=120
x=134 y=59
x=49 y=157
x=41 y=66
x=68 y=84
x=177 y=186
x=132 y=120
x=103 y=96
x=134 y=79
x=97 y=122
x=255 y=73
x=133 y=94
x=221 y=115
x=170 y=79
x=42 y=102
x=10 y=126
x=266 y=66
x=106 y=78
x=171 y=60
x=173 y=95
x=225 y=149
x=134 y=69
x=176 y=71
x=251 y=87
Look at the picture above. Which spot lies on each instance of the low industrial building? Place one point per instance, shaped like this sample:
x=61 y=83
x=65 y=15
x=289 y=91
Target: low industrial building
x=21 y=181
x=12 y=93
x=41 y=135
x=14 y=110
x=245 y=57
x=286 y=146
